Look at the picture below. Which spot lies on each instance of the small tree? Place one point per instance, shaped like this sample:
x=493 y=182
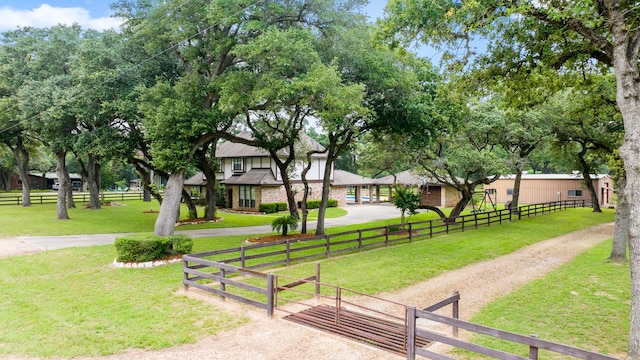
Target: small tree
x=407 y=200
x=284 y=223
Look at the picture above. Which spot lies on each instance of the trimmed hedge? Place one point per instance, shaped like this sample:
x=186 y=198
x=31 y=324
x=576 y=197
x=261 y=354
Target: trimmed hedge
x=314 y=204
x=149 y=247
x=268 y=208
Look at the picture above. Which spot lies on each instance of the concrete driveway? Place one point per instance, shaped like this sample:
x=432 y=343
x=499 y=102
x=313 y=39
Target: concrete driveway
x=27 y=244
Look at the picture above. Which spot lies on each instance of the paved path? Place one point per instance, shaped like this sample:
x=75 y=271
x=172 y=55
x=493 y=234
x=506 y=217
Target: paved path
x=29 y=244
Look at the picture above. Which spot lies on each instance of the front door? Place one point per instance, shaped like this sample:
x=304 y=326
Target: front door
x=229 y=199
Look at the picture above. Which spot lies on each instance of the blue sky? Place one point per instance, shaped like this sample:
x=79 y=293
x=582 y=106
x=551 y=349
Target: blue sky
x=88 y=13
x=95 y=14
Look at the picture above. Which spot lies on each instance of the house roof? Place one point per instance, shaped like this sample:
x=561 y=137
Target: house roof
x=344 y=178
x=230 y=149
x=407 y=177
x=197 y=179
x=253 y=177
x=554 y=176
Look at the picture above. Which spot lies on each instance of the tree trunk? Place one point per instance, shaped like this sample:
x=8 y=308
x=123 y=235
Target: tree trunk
x=467 y=196
x=621 y=232
x=146 y=178
x=303 y=176
x=71 y=204
x=93 y=177
x=210 y=187
x=513 y=207
x=63 y=186
x=191 y=205
x=167 y=218
x=325 y=195
x=21 y=156
x=586 y=176
x=628 y=100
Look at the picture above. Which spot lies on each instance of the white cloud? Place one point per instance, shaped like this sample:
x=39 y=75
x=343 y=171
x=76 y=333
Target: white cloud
x=47 y=16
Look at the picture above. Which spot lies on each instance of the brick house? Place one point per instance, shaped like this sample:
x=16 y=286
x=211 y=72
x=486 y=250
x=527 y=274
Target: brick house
x=250 y=177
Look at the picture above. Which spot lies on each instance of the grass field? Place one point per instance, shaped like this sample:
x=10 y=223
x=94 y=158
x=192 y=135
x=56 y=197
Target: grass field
x=585 y=303
x=130 y=216
x=71 y=302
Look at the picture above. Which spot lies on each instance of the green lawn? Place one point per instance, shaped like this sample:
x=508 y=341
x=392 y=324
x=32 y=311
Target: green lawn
x=584 y=303
x=71 y=302
x=131 y=216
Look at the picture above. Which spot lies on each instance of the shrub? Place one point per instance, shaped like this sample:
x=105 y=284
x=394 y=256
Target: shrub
x=149 y=247
x=314 y=204
x=281 y=206
x=268 y=208
x=142 y=247
x=181 y=244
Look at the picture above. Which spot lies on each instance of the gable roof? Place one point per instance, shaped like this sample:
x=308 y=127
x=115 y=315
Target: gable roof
x=230 y=149
x=344 y=178
x=407 y=177
x=197 y=179
x=253 y=177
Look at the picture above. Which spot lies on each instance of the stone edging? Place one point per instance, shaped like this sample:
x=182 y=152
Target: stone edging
x=147 y=264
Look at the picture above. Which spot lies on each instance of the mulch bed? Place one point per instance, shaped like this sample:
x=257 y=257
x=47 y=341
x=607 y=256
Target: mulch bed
x=272 y=238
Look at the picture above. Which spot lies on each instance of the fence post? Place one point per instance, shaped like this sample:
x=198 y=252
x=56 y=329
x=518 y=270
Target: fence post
x=430 y=229
x=288 y=252
x=411 y=232
x=270 y=294
x=533 y=351
x=317 y=279
x=411 y=333
x=475 y=218
x=455 y=314
x=223 y=285
x=328 y=245
x=185 y=275
x=360 y=240
x=386 y=235
x=242 y=256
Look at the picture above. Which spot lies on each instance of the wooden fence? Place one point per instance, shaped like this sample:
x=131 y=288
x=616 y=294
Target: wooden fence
x=52 y=198
x=285 y=252
x=262 y=290
x=261 y=294
x=535 y=344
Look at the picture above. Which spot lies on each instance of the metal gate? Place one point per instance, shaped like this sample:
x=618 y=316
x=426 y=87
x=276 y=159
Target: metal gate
x=364 y=318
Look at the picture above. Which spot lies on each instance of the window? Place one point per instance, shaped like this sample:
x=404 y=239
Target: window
x=309 y=191
x=219 y=164
x=490 y=191
x=575 y=193
x=509 y=192
x=247 y=196
x=237 y=164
